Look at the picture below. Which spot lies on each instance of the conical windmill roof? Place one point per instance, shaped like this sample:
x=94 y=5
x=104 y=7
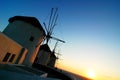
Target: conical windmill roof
x=32 y=20
x=45 y=47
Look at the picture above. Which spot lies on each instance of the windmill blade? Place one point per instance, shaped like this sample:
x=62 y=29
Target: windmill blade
x=45 y=27
x=55 y=46
x=57 y=39
x=58 y=57
x=54 y=18
x=50 y=19
x=58 y=54
x=44 y=40
x=52 y=27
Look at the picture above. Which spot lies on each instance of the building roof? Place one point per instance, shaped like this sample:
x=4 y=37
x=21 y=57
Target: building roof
x=45 y=47
x=32 y=20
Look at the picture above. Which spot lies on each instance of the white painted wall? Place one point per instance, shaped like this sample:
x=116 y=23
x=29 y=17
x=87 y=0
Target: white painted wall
x=7 y=45
x=21 y=32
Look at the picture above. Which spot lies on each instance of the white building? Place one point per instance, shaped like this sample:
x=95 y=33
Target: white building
x=28 y=32
x=10 y=51
x=43 y=56
x=52 y=60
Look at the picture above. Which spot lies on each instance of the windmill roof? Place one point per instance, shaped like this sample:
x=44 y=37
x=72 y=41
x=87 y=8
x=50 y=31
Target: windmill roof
x=45 y=47
x=32 y=20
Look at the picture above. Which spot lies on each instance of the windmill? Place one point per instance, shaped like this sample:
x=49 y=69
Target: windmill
x=57 y=55
x=54 y=56
x=45 y=55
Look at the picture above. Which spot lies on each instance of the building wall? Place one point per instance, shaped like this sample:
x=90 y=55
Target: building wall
x=10 y=50
x=43 y=57
x=26 y=35
x=52 y=61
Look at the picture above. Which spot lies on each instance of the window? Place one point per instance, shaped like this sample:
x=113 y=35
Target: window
x=31 y=38
x=6 y=57
x=12 y=58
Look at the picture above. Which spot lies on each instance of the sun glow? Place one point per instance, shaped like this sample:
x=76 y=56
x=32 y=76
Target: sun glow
x=91 y=74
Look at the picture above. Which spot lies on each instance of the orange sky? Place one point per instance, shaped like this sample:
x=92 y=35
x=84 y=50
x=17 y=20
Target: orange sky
x=83 y=71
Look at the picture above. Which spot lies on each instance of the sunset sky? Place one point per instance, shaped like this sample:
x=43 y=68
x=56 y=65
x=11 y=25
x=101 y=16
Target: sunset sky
x=91 y=29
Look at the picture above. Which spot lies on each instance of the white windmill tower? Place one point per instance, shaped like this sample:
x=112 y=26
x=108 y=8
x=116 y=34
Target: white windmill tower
x=28 y=32
x=44 y=55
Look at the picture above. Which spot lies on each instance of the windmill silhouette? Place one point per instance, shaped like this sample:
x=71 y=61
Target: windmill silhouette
x=54 y=56
x=45 y=55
